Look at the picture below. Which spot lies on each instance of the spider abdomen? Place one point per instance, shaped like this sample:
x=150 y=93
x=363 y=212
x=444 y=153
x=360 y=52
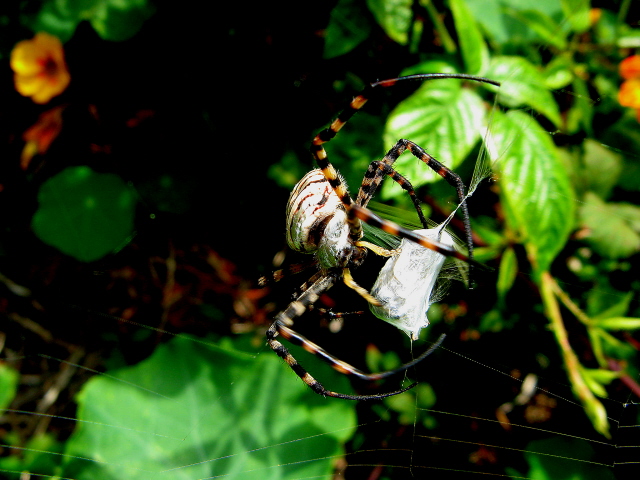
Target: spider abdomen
x=316 y=221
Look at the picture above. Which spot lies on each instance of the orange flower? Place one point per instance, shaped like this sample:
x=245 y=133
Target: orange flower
x=40 y=70
x=39 y=136
x=629 y=94
x=630 y=67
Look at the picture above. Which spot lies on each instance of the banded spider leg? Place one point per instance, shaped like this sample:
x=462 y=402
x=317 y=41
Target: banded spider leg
x=323 y=220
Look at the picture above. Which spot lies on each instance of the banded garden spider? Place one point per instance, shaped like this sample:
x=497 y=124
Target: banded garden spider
x=323 y=219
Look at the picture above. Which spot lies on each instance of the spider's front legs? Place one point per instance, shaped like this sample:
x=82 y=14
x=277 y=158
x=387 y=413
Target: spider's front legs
x=374 y=175
x=366 y=215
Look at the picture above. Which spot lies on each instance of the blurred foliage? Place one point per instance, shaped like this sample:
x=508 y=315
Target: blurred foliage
x=153 y=186
x=201 y=436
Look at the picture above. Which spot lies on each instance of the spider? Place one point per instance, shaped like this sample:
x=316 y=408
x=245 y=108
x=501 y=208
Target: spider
x=323 y=219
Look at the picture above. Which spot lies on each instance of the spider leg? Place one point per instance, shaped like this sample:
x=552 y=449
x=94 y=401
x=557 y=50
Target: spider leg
x=363 y=292
x=281 y=273
x=297 y=308
x=371 y=218
x=319 y=153
x=374 y=175
x=377 y=169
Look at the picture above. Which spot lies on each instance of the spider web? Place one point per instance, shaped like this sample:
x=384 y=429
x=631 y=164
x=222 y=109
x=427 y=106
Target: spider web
x=525 y=395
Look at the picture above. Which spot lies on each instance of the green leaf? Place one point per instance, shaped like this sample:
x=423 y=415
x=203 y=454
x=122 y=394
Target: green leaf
x=602 y=167
x=534 y=185
x=542 y=24
x=600 y=375
x=9 y=379
x=114 y=20
x=394 y=16
x=606 y=302
x=613 y=228
x=505 y=29
x=580 y=115
x=41 y=453
x=546 y=464
x=618 y=323
x=85 y=214
x=192 y=411
x=444 y=119
x=557 y=73
x=578 y=14
x=473 y=47
x=348 y=27
x=118 y=20
x=523 y=84
x=507 y=273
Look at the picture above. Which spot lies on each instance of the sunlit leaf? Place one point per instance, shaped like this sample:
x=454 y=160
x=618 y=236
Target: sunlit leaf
x=613 y=228
x=535 y=188
x=441 y=117
x=523 y=84
x=473 y=47
x=394 y=16
x=618 y=323
x=192 y=411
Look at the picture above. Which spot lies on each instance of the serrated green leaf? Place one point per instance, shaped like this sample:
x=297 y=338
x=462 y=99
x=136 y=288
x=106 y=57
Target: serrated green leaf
x=348 y=27
x=191 y=411
x=444 y=119
x=394 y=16
x=612 y=227
x=472 y=45
x=523 y=84
x=535 y=188
x=85 y=214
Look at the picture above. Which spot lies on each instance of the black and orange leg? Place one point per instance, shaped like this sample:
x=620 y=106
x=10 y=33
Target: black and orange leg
x=372 y=178
x=285 y=272
x=281 y=324
x=356 y=104
x=367 y=216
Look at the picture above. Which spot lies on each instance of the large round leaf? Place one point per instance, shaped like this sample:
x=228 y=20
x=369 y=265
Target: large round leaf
x=195 y=411
x=85 y=214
